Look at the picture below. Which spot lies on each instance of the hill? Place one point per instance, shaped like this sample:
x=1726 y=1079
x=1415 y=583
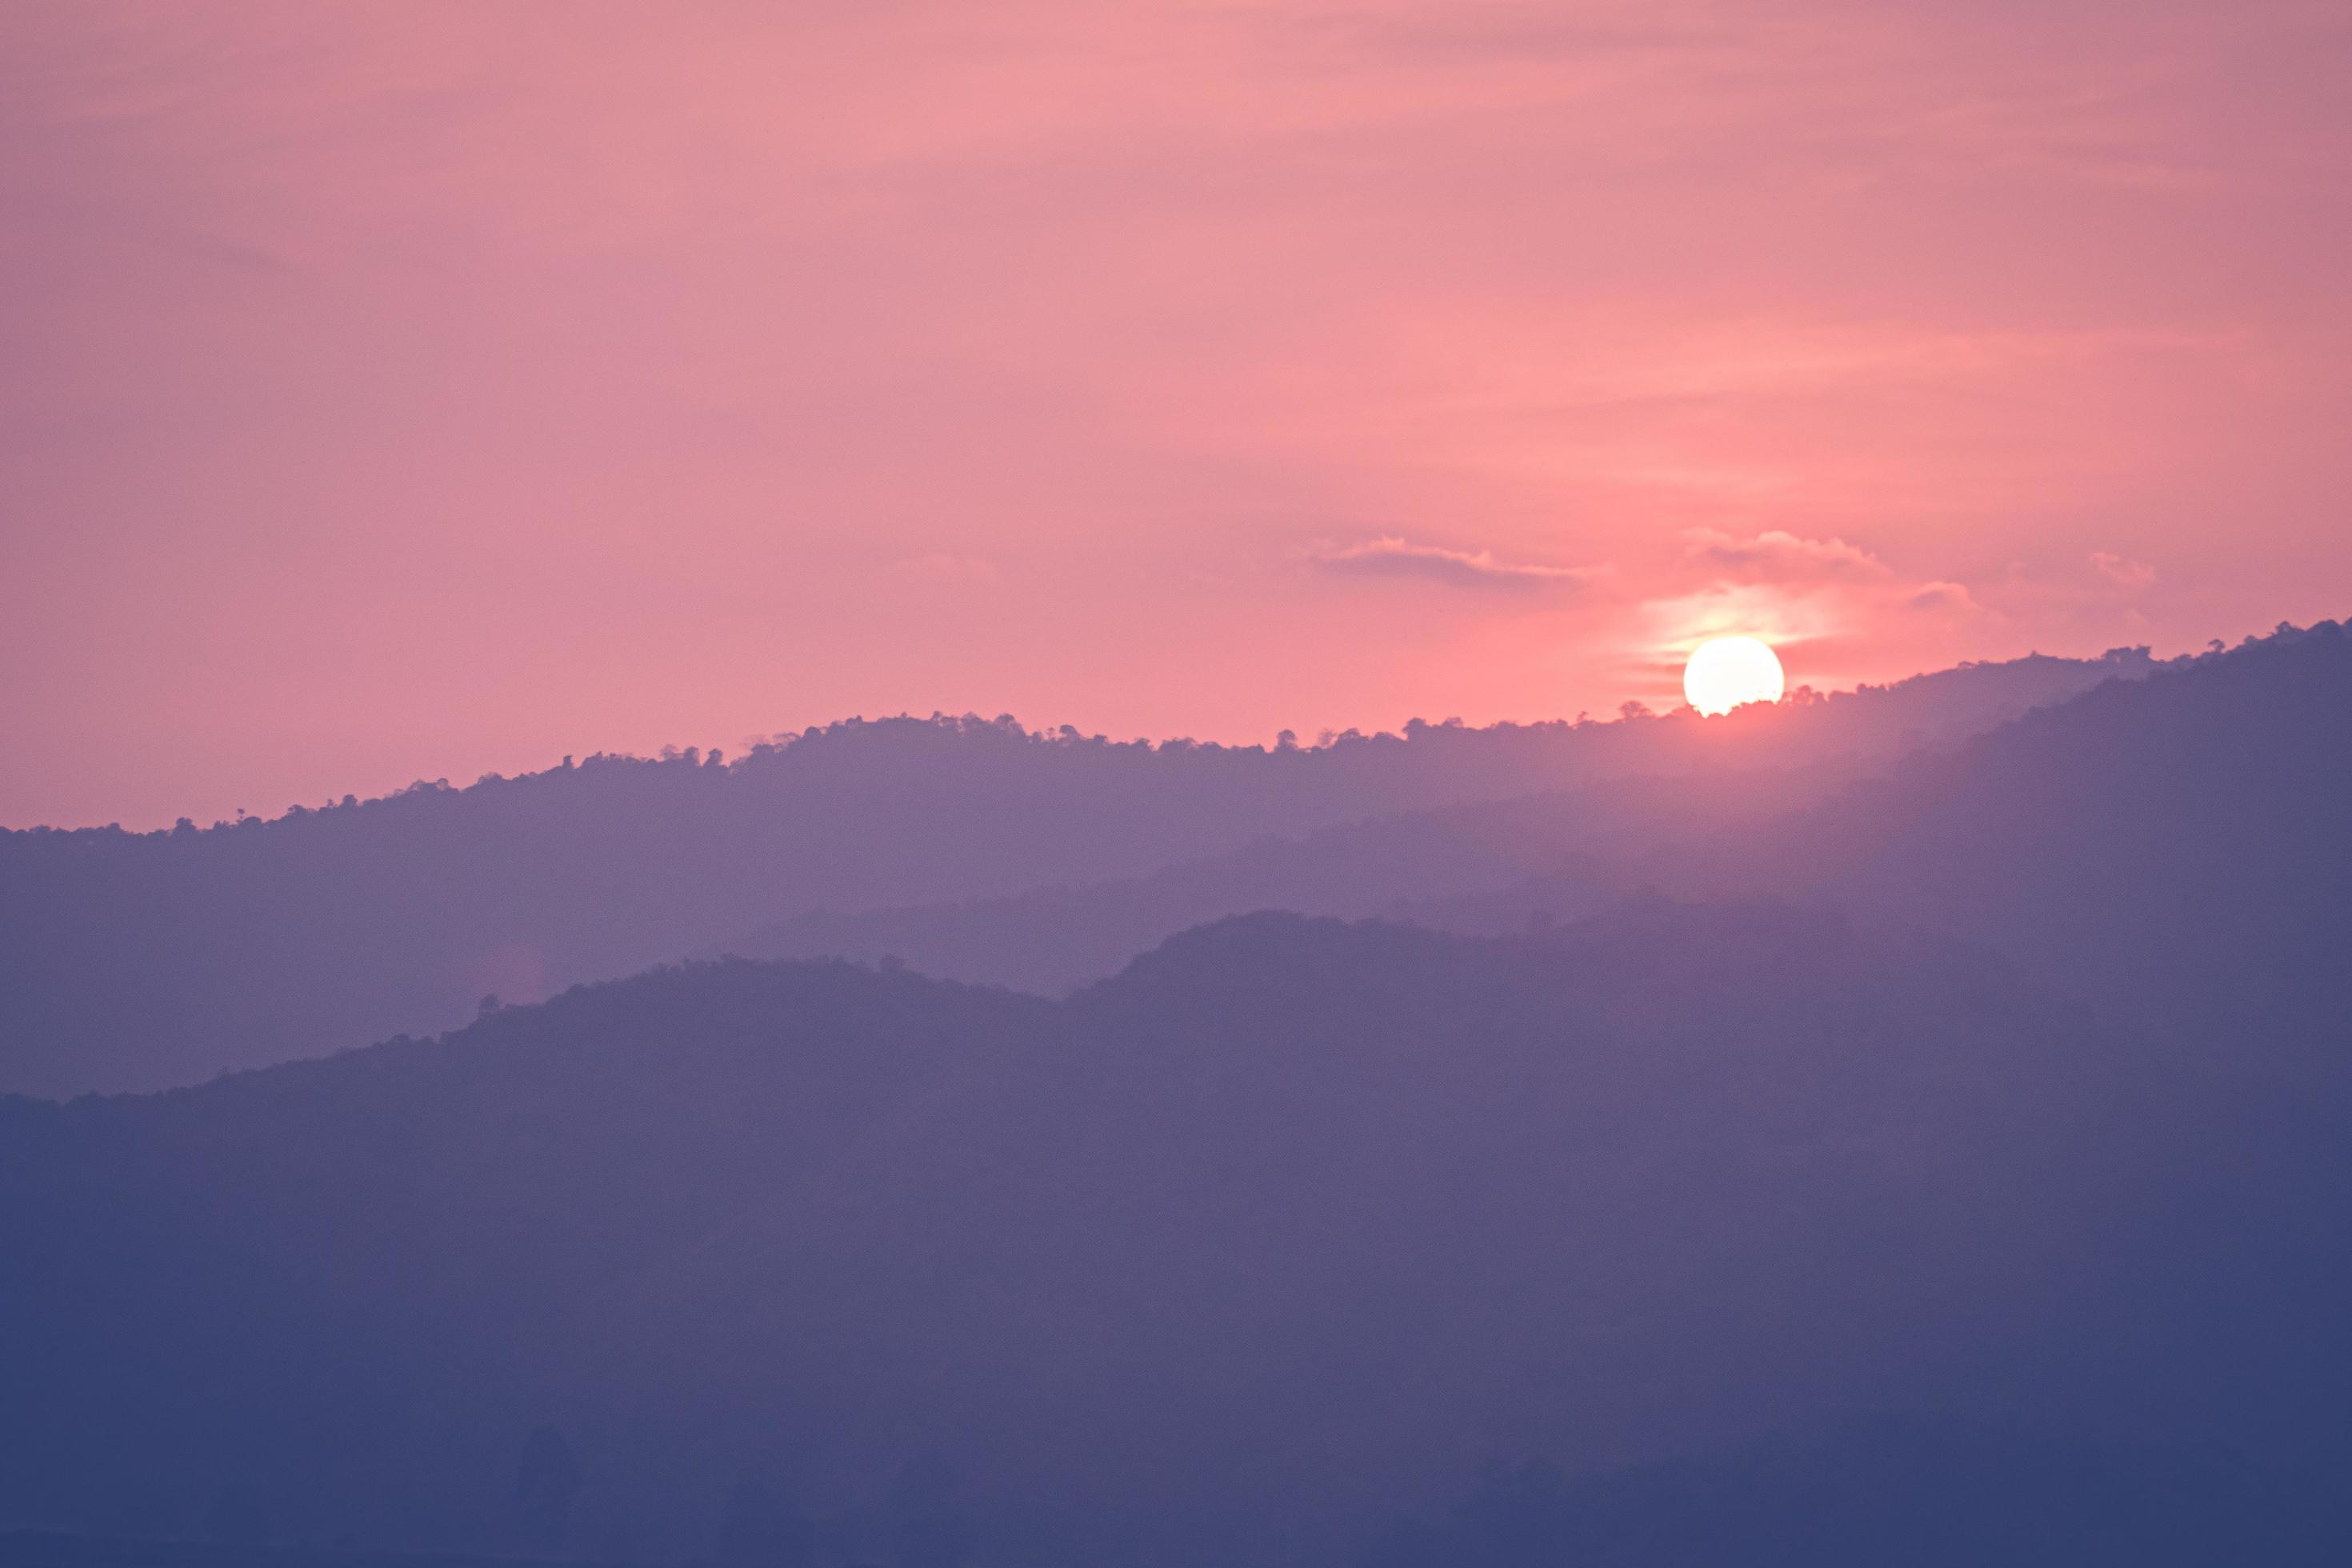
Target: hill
x=2166 y=847
x=1931 y=1493
x=2178 y=849
x=1291 y=1222
x=2009 y=1084
x=134 y=960
x=1053 y=940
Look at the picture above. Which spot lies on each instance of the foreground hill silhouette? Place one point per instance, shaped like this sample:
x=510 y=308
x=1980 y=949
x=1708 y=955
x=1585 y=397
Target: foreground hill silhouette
x=57 y=1548
x=1285 y=1228
x=1925 y=1493
x=137 y=960
x=1286 y=1217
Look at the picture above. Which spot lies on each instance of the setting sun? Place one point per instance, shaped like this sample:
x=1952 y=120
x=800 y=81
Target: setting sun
x=1727 y=672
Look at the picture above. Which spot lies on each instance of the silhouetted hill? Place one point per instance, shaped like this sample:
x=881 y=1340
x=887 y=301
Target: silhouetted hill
x=1053 y=940
x=1891 y=1491
x=2011 y=1084
x=2178 y=848
x=1287 y=1226
x=2173 y=845
x=39 y=1549
x=134 y=960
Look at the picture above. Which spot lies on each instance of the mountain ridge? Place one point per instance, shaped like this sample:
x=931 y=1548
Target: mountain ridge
x=130 y=960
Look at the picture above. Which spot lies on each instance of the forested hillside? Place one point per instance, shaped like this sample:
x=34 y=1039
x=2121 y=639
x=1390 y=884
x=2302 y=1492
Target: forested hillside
x=134 y=960
x=1292 y=1225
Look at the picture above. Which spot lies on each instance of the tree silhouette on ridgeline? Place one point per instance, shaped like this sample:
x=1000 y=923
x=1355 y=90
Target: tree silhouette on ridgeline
x=136 y=961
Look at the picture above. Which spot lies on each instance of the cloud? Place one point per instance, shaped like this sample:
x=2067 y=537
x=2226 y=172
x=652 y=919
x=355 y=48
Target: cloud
x=1939 y=596
x=2123 y=572
x=1779 y=557
x=1795 y=591
x=1390 y=556
x=1833 y=607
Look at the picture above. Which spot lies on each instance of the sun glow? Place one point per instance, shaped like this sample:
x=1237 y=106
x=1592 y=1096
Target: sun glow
x=1725 y=672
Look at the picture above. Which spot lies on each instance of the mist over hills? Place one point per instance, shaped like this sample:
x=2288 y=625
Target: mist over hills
x=2179 y=849
x=1904 y=1127
x=1223 y=1257
x=134 y=960
x=2125 y=845
x=2009 y=1087
x=1053 y=940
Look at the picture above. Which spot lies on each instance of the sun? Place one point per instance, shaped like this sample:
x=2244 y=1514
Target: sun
x=1728 y=672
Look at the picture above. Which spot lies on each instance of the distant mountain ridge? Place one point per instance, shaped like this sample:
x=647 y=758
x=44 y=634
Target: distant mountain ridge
x=1054 y=940
x=136 y=961
x=1293 y=1222
x=2178 y=848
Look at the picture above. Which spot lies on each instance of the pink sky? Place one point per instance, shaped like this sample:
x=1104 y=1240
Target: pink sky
x=425 y=389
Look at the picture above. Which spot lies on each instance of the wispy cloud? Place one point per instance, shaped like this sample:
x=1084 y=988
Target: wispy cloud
x=2123 y=572
x=1937 y=596
x=1391 y=556
x=1777 y=556
x=1826 y=601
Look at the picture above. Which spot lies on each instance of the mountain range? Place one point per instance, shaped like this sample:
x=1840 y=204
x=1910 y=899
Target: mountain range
x=1675 y=1113
x=142 y=960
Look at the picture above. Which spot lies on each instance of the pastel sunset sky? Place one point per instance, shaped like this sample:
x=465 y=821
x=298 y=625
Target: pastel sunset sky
x=426 y=389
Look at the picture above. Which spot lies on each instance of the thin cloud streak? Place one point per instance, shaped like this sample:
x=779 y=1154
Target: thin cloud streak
x=1780 y=555
x=1390 y=556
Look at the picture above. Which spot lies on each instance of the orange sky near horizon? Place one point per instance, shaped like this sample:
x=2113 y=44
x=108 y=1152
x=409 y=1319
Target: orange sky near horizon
x=434 y=389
